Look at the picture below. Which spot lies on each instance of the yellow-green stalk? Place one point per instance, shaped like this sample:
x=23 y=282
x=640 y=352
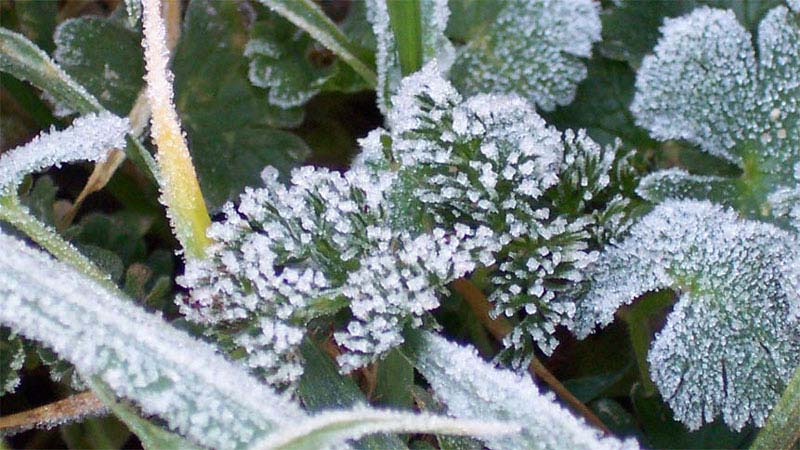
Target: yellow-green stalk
x=180 y=190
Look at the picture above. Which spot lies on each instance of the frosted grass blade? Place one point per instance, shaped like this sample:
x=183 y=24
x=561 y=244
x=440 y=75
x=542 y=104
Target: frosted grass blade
x=473 y=388
x=24 y=60
x=332 y=428
x=307 y=16
x=87 y=139
x=137 y=354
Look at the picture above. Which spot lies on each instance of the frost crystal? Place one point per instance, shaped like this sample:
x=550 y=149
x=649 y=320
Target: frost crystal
x=137 y=354
x=89 y=138
x=733 y=339
x=705 y=84
x=491 y=161
x=533 y=49
x=472 y=388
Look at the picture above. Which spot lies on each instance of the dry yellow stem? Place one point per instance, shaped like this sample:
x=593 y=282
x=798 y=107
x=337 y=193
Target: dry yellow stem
x=180 y=190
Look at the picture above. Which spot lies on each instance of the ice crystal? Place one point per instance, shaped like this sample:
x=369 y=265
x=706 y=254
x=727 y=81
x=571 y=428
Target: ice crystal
x=732 y=339
x=704 y=83
x=89 y=138
x=533 y=48
x=137 y=354
x=472 y=388
x=491 y=161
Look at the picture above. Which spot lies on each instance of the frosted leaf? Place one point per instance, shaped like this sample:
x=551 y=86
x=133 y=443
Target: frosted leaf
x=273 y=351
x=699 y=84
x=89 y=138
x=677 y=183
x=474 y=389
x=534 y=49
x=12 y=358
x=705 y=84
x=394 y=289
x=137 y=354
x=785 y=202
x=293 y=66
x=435 y=45
x=732 y=340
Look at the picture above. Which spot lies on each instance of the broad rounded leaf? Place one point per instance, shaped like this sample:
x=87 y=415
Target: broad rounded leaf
x=733 y=340
x=533 y=49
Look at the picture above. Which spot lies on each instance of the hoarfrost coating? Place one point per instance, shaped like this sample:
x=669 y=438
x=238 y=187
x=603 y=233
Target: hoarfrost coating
x=733 y=340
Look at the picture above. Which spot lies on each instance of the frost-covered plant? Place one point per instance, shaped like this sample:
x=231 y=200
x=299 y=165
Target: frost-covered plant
x=705 y=83
x=490 y=161
x=304 y=305
x=732 y=342
x=533 y=48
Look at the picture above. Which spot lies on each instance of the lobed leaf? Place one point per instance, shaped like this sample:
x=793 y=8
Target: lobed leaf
x=732 y=340
x=705 y=84
x=533 y=49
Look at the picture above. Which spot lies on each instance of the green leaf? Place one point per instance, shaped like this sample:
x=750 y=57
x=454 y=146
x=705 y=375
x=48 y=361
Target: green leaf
x=323 y=387
x=37 y=21
x=105 y=57
x=229 y=125
x=781 y=431
x=662 y=431
x=532 y=49
x=406 y=21
x=22 y=59
x=590 y=387
x=12 y=358
x=293 y=66
x=394 y=381
x=307 y=16
x=607 y=88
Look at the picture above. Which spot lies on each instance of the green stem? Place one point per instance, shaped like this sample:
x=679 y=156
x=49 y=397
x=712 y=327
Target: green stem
x=13 y=212
x=637 y=317
x=406 y=21
x=782 y=431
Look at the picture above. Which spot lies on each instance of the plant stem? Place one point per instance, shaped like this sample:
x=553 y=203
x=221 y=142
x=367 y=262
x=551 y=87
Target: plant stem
x=404 y=16
x=18 y=215
x=500 y=327
x=67 y=410
x=180 y=190
x=782 y=430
